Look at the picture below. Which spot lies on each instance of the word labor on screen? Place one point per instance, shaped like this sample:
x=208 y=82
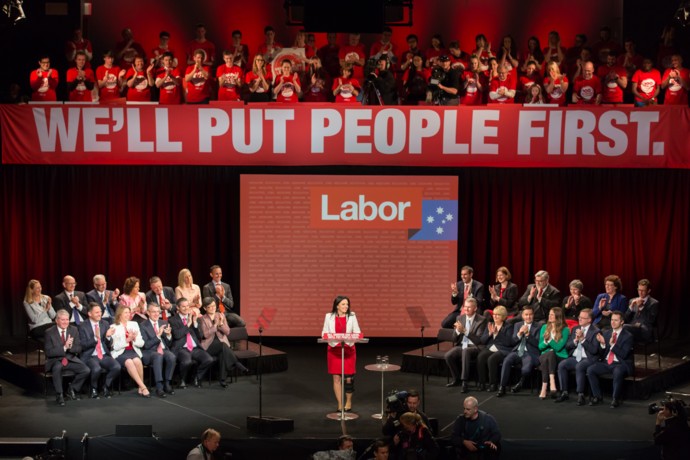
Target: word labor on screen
x=321 y=135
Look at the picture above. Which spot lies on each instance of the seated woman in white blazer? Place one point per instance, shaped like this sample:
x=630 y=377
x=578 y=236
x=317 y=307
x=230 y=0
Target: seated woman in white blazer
x=342 y=320
x=127 y=343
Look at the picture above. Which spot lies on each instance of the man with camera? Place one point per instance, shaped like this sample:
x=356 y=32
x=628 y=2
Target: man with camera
x=671 y=431
x=398 y=404
x=380 y=87
x=444 y=83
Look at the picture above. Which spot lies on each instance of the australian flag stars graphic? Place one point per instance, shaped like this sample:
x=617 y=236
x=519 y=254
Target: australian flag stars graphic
x=439 y=221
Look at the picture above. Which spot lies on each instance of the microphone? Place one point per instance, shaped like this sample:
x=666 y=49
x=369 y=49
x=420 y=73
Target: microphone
x=86 y=436
x=64 y=432
x=261 y=329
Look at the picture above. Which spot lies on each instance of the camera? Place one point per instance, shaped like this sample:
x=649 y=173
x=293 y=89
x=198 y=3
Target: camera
x=676 y=405
x=396 y=402
x=437 y=75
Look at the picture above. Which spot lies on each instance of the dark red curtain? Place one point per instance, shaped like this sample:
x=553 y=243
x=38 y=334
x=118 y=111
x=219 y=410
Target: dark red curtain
x=144 y=221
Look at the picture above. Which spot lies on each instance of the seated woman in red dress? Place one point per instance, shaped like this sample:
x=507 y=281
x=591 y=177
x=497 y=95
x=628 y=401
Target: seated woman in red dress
x=341 y=320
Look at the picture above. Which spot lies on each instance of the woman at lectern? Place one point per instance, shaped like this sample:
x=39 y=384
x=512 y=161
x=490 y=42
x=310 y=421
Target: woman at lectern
x=341 y=320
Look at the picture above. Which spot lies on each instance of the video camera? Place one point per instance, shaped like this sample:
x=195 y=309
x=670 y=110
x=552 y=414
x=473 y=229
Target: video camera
x=437 y=75
x=396 y=402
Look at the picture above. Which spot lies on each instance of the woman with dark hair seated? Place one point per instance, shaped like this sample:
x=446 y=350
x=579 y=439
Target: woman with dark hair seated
x=214 y=330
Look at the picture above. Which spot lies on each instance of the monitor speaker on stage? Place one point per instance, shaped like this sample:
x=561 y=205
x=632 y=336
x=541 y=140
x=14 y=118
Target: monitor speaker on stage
x=269 y=426
x=134 y=431
x=364 y=16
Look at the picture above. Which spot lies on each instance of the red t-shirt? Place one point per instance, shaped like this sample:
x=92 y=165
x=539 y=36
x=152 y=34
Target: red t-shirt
x=587 y=90
x=676 y=94
x=612 y=92
x=251 y=76
x=557 y=96
x=170 y=93
x=288 y=93
x=496 y=84
x=140 y=90
x=81 y=93
x=199 y=87
x=229 y=91
x=43 y=85
x=356 y=52
x=346 y=95
x=473 y=95
x=111 y=90
x=207 y=46
x=647 y=83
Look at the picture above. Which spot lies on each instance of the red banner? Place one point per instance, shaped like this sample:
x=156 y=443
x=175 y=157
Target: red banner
x=306 y=134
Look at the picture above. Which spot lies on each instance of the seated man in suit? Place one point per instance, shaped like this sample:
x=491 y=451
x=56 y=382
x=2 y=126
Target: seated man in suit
x=525 y=351
x=157 y=335
x=469 y=331
x=62 y=348
x=164 y=296
x=616 y=345
x=221 y=293
x=460 y=291
x=541 y=296
x=640 y=317
x=74 y=302
x=103 y=297
x=96 y=340
x=186 y=341
x=583 y=351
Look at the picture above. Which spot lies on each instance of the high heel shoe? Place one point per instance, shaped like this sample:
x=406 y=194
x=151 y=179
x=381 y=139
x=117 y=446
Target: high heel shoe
x=553 y=394
x=144 y=393
x=542 y=397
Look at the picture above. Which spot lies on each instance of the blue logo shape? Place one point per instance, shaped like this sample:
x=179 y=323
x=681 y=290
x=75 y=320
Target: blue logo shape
x=439 y=221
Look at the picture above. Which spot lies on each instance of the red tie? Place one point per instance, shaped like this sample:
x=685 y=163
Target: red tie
x=467 y=291
x=163 y=313
x=541 y=292
x=64 y=340
x=609 y=358
x=190 y=344
x=159 y=350
x=99 y=347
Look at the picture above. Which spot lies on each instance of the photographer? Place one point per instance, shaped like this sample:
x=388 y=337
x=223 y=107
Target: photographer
x=414 y=440
x=475 y=433
x=380 y=87
x=398 y=404
x=444 y=83
x=671 y=431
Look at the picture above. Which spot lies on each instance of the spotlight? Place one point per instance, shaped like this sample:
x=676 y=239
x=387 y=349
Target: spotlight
x=13 y=10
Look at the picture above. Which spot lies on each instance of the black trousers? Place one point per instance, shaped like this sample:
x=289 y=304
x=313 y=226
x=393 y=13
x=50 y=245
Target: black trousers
x=225 y=356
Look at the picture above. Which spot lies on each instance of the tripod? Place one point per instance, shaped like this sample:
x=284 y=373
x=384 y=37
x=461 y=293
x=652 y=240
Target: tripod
x=366 y=92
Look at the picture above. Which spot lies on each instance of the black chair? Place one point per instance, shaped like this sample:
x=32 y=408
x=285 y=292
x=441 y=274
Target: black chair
x=39 y=346
x=239 y=336
x=444 y=335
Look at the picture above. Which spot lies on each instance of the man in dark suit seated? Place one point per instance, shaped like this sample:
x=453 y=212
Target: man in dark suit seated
x=74 y=302
x=103 y=297
x=186 y=340
x=164 y=296
x=616 y=345
x=62 y=348
x=583 y=350
x=221 y=293
x=525 y=351
x=640 y=317
x=460 y=291
x=469 y=331
x=541 y=296
x=96 y=339
x=157 y=335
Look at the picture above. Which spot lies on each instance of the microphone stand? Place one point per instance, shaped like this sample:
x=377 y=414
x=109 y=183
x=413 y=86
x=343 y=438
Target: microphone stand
x=258 y=371
x=424 y=368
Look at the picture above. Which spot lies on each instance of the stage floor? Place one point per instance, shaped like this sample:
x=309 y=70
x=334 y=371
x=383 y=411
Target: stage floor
x=304 y=393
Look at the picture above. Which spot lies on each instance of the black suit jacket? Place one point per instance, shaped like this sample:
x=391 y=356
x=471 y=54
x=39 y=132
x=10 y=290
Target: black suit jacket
x=509 y=299
x=151 y=340
x=61 y=302
x=180 y=331
x=168 y=293
x=476 y=333
x=590 y=344
x=54 y=349
x=549 y=299
x=477 y=291
x=623 y=349
x=532 y=342
x=209 y=290
x=110 y=304
x=503 y=340
x=88 y=339
x=646 y=316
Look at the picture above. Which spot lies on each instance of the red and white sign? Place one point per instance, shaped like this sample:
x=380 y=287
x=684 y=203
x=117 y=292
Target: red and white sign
x=325 y=134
